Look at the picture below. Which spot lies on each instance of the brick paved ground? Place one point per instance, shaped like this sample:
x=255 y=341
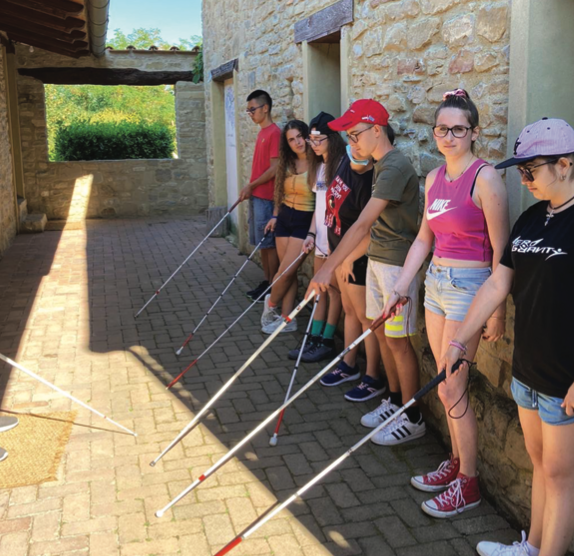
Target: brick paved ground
x=67 y=301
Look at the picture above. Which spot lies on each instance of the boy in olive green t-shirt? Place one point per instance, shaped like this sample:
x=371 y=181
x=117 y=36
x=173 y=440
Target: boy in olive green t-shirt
x=391 y=219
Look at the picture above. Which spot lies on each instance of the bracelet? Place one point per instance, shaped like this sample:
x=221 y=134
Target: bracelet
x=400 y=296
x=311 y=234
x=273 y=218
x=458 y=345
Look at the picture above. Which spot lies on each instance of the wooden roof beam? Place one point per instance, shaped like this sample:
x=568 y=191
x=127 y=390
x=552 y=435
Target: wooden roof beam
x=41 y=32
x=68 y=6
x=26 y=14
x=80 y=48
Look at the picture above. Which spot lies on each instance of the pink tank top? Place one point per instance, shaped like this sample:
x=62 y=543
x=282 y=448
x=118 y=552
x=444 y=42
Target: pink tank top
x=458 y=225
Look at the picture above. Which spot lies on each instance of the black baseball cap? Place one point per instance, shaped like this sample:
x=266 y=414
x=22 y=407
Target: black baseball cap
x=320 y=123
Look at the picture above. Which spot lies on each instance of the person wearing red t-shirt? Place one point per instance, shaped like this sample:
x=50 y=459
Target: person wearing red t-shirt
x=260 y=189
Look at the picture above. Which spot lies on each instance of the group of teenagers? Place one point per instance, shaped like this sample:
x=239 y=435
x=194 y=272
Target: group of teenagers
x=357 y=206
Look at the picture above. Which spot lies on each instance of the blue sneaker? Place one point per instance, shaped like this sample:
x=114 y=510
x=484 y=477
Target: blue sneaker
x=367 y=389
x=343 y=373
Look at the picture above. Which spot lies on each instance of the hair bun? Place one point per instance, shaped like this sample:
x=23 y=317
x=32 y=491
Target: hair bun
x=456 y=93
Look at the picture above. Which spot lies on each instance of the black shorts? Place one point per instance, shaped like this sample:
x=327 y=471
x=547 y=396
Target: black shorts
x=360 y=271
x=293 y=223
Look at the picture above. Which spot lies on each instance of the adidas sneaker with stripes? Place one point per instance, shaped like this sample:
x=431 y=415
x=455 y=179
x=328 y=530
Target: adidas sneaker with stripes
x=398 y=431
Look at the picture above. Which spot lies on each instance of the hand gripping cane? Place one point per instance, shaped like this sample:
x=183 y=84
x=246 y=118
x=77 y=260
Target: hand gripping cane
x=273 y=439
x=186 y=259
x=195 y=361
x=190 y=337
x=193 y=423
x=227 y=456
x=63 y=392
x=278 y=507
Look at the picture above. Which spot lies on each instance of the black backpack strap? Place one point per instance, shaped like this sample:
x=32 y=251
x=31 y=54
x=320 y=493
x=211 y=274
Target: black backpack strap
x=476 y=176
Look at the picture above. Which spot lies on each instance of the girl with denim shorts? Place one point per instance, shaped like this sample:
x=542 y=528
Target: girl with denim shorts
x=294 y=205
x=466 y=218
x=537 y=267
x=326 y=150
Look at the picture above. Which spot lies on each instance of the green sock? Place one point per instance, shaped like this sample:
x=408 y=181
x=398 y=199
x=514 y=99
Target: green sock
x=329 y=331
x=317 y=327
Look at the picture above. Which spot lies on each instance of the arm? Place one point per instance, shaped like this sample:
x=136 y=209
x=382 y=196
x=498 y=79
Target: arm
x=352 y=238
x=309 y=242
x=346 y=268
x=266 y=176
x=493 y=200
x=491 y=294
x=418 y=252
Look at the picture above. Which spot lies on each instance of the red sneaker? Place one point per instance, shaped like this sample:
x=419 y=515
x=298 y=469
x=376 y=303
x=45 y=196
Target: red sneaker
x=462 y=494
x=438 y=480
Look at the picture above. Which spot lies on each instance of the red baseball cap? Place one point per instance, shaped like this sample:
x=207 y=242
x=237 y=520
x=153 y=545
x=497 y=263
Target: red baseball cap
x=365 y=110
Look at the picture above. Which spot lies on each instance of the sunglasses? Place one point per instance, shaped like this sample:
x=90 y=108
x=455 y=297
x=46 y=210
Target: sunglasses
x=526 y=173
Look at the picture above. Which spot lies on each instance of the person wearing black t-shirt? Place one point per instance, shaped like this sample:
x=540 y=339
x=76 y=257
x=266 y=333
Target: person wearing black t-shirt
x=347 y=196
x=537 y=267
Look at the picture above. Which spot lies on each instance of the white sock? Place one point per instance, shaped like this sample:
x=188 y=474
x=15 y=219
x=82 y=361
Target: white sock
x=532 y=550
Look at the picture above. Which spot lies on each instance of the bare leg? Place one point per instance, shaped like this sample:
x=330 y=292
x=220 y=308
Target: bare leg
x=288 y=249
x=407 y=366
x=270 y=263
x=353 y=328
x=558 y=468
x=388 y=361
x=532 y=429
x=356 y=295
x=465 y=428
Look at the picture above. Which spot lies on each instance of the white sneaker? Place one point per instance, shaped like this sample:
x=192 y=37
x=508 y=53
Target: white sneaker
x=272 y=326
x=398 y=431
x=374 y=418
x=486 y=548
x=270 y=314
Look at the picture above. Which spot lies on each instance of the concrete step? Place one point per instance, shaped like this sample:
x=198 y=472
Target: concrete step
x=34 y=224
x=22 y=210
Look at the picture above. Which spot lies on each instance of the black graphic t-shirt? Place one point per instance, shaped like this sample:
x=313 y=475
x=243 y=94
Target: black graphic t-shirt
x=347 y=196
x=543 y=291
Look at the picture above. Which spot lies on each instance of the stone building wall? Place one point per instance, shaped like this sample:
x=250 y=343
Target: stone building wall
x=7 y=209
x=78 y=190
x=404 y=53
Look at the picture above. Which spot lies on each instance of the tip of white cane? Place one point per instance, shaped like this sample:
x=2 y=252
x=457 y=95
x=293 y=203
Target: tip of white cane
x=159 y=513
x=152 y=463
x=178 y=351
x=273 y=440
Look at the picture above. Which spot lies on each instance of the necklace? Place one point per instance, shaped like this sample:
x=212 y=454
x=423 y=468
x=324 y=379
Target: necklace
x=465 y=169
x=552 y=210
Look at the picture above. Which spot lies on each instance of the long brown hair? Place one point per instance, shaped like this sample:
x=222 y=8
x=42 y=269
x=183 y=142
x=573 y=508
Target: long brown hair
x=335 y=151
x=287 y=159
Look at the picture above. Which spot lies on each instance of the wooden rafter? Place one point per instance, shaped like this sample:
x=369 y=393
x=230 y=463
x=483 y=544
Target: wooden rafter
x=19 y=13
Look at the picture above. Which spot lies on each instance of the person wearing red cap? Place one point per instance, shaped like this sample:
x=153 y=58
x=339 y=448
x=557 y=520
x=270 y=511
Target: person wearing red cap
x=391 y=217
x=537 y=266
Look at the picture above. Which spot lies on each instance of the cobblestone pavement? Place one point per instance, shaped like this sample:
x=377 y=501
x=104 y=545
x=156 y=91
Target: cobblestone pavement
x=67 y=304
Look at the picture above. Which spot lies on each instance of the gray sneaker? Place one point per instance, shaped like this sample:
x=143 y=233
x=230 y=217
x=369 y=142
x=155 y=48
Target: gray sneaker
x=3 y=454
x=7 y=423
x=270 y=314
x=294 y=353
x=325 y=349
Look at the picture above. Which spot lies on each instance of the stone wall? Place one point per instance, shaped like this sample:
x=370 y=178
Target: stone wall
x=7 y=208
x=78 y=190
x=404 y=53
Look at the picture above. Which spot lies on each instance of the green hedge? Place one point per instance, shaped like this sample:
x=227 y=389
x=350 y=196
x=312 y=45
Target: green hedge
x=113 y=141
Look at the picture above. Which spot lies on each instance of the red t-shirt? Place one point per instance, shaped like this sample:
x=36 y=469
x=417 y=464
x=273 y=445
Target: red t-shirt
x=266 y=148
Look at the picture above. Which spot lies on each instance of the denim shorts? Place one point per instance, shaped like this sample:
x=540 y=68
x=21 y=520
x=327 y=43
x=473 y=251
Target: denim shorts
x=293 y=223
x=260 y=212
x=449 y=291
x=548 y=407
x=381 y=280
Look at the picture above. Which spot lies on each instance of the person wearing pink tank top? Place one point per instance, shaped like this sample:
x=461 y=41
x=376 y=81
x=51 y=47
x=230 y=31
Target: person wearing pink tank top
x=466 y=219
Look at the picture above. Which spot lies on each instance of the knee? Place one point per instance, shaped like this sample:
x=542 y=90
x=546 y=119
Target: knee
x=556 y=473
x=396 y=345
x=450 y=393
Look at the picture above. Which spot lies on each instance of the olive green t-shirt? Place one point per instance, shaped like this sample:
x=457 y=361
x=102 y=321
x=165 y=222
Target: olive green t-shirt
x=394 y=231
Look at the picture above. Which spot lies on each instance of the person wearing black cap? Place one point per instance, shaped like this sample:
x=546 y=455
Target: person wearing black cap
x=537 y=268
x=327 y=150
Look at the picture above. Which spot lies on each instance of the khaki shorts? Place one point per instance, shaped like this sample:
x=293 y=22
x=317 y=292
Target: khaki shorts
x=381 y=280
